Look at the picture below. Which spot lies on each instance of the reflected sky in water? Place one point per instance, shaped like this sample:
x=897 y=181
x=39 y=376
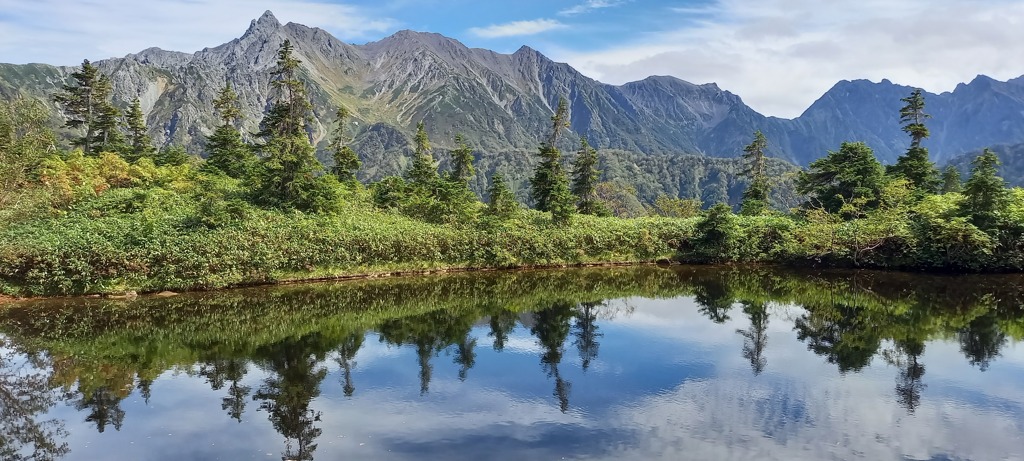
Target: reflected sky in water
x=647 y=377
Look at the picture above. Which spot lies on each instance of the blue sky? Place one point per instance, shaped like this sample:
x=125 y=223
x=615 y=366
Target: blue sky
x=779 y=55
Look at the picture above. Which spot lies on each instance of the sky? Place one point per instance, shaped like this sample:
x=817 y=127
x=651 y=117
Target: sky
x=778 y=55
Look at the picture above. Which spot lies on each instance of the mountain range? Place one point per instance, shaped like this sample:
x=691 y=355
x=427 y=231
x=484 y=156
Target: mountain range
x=503 y=102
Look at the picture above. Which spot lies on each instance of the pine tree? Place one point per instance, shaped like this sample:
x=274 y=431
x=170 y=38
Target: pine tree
x=584 y=181
x=562 y=203
x=108 y=137
x=423 y=171
x=83 y=103
x=462 y=161
x=288 y=174
x=986 y=196
x=755 y=198
x=226 y=151
x=951 y=182
x=915 y=166
x=139 y=143
x=850 y=176
x=549 y=172
x=346 y=162
x=290 y=113
x=502 y=203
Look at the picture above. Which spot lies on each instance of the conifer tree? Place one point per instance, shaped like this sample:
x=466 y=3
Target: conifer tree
x=423 y=171
x=83 y=103
x=502 y=203
x=139 y=143
x=462 y=161
x=288 y=174
x=850 y=176
x=549 y=172
x=986 y=196
x=584 y=181
x=755 y=198
x=346 y=162
x=108 y=137
x=225 y=150
x=951 y=182
x=915 y=166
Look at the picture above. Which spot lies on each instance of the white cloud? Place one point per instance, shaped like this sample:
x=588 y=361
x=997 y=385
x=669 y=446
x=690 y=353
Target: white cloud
x=590 y=5
x=63 y=32
x=517 y=28
x=780 y=55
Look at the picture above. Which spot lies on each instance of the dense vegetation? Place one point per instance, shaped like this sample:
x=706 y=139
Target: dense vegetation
x=115 y=214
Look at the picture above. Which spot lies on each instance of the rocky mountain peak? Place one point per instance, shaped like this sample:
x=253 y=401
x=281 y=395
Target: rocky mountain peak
x=264 y=25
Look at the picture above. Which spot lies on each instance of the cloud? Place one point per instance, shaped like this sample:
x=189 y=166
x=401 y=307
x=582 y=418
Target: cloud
x=62 y=32
x=590 y=5
x=517 y=28
x=780 y=55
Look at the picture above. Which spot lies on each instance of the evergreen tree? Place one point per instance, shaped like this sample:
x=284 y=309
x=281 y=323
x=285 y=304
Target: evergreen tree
x=225 y=150
x=139 y=143
x=562 y=202
x=549 y=172
x=986 y=196
x=346 y=162
x=951 y=182
x=915 y=165
x=462 y=161
x=584 y=181
x=755 y=198
x=290 y=113
x=850 y=176
x=108 y=137
x=288 y=175
x=83 y=103
x=423 y=171
x=502 y=203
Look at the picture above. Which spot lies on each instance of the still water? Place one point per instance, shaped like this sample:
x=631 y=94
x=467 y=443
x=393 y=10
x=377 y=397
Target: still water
x=619 y=364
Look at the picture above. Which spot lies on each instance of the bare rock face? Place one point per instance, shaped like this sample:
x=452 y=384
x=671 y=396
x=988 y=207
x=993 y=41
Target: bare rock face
x=503 y=102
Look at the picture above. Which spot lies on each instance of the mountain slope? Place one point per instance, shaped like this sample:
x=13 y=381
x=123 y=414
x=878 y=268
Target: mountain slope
x=503 y=102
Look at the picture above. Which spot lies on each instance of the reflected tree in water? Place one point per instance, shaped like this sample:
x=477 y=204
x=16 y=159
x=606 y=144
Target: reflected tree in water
x=909 y=379
x=755 y=337
x=502 y=323
x=25 y=397
x=219 y=373
x=551 y=327
x=465 y=355
x=714 y=298
x=430 y=334
x=840 y=333
x=585 y=332
x=982 y=339
x=295 y=372
x=103 y=406
x=346 y=360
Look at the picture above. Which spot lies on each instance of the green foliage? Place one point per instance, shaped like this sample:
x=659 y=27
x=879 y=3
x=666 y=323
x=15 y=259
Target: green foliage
x=84 y=103
x=25 y=141
x=423 y=171
x=227 y=153
x=584 y=181
x=755 y=197
x=951 y=182
x=549 y=176
x=986 y=196
x=620 y=199
x=346 y=162
x=139 y=144
x=850 y=176
x=291 y=110
x=675 y=207
x=226 y=106
x=462 y=161
x=915 y=166
x=173 y=155
x=716 y=235
x=561 y=203
x=502 y=204
x=288 y=177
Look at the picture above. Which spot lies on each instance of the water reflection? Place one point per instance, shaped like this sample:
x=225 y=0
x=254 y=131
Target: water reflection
x=658 y=359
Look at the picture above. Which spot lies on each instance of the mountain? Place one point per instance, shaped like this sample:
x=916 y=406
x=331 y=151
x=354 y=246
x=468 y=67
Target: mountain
x=1011 y=158
x=503 y=102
